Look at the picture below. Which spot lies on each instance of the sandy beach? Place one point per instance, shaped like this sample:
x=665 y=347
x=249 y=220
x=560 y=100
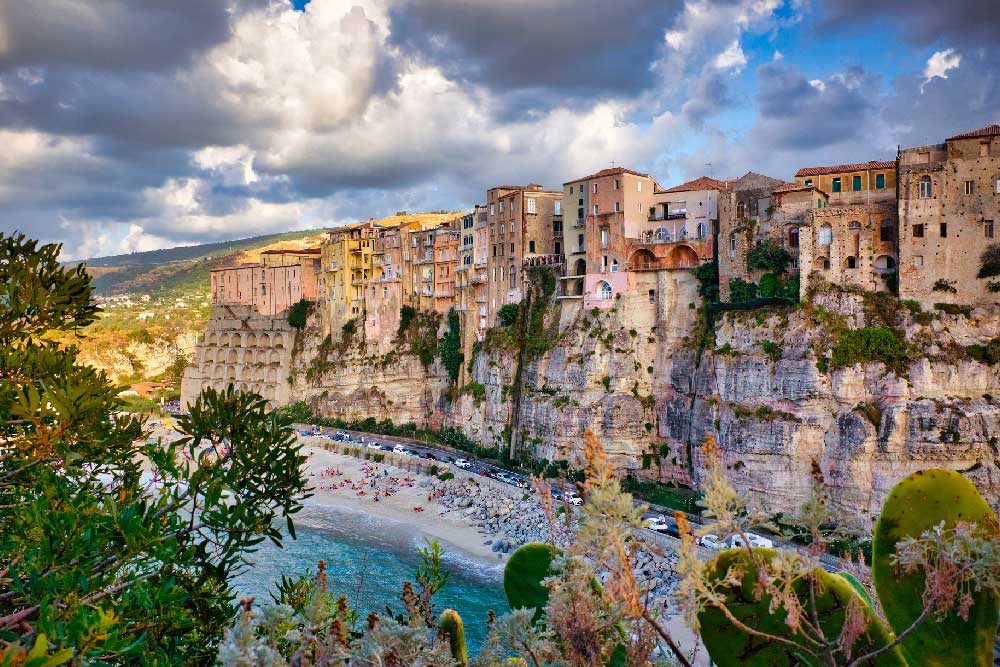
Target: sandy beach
x=346 y=482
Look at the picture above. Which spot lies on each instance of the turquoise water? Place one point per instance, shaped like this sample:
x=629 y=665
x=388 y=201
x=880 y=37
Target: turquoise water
x=368 y=559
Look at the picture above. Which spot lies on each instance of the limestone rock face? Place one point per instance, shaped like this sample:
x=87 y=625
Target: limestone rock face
x=633 y=374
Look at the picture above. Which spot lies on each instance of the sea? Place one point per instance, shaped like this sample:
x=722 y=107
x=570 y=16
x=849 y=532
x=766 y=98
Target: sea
x=368 y=559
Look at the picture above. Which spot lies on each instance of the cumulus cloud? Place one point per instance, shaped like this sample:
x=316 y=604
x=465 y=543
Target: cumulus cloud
x=939 y=64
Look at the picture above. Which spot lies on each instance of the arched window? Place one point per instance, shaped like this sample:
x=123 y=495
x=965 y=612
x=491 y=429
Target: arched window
x=614 y=266
x=581 y=267
x=605 y=289
x=825 y=236
x=926 y=187
x=793 y=237
x=854 y=226
x=851 y=263
x=887 y=231
x=885 y=262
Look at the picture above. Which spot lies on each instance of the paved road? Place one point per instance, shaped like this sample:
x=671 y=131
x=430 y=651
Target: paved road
x=440 y=452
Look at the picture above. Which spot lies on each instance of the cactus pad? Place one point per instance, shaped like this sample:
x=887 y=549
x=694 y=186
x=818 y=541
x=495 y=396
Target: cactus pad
x=523 y=575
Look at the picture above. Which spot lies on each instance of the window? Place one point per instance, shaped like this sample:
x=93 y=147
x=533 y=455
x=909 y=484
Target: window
x=836 y=185
x=595 y=188
x=988 y=229
x=885 y=262
x=531 y=246
x=825 y=235
x=793 y=237
x=970 y=187
x=606 y=292
x=638 y=186
x=918 y=231
x=852 y=263
x=944 y=230
x=531 y=205
x=984 y=149
x=604 y=237
x=809 y=182
x=571 y=189
x=501 y=207
x=918 y=260
x=652 y=296
x=819 y=203
x=512 y=247
x=614 y=266
x=604 y=264
x=618 y=184
x=795 y=262
x=856 y=183
x=702 y=228
x=579 y=241
x=557 y=208
x=926 y=188
x=825 y=263
x=741 y=210
x=513 y=276
x=854 y=226
x=887 y=231
x=732 y=245
x=618 y=207
x=558 y=248
x=998 y=186
x=493 y=209
x=597 y=209
x=880 y=181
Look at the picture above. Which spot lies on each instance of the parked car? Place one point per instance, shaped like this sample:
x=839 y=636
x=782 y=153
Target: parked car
x=658 y=524
x=398 y=449
x=463 y=464
x=428 y=455
x=447 y=459
x=573 y=498
x=341 y=435
x=712 y=541
x=386 y=448
x=756 y=541
x=374 y=445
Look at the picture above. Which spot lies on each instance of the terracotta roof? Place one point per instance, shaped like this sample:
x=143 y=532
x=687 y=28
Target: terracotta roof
x=612 y=171
x=289 y=251
x=988 y=131
x=843 y=168
x=701 y=183
x=794 y=187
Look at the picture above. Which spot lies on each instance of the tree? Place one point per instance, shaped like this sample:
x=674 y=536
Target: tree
x=298 y=314
x=768 y=256
x=114 y=550
x=450 y=346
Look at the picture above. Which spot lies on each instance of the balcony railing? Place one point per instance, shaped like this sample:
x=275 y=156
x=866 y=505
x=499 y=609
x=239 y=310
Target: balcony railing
x=543 y=260
x=669 y=215
x=480 y=299
x=580 y=222
x=444 y=294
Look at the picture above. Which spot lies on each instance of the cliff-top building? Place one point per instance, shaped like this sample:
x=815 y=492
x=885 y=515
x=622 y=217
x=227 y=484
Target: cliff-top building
x=949 y=205
x=271 y=286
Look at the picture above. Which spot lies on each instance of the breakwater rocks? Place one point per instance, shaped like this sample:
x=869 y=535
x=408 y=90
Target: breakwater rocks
x=512 y=517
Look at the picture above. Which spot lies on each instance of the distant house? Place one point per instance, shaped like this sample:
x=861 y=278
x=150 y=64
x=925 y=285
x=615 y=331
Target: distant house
x=142 y=317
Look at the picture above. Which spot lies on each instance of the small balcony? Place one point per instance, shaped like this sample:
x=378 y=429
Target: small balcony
x=481 y=298
x=444 y=294
x=580 y=222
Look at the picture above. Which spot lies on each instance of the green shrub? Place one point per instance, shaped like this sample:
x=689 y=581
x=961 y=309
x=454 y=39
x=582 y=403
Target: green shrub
x=707 y=276
x=298 y=412
x=406 y=317
x=450 y=346
x=858 y=346
x=741 y=291
x=445 y=476
x=985 y=354
x=507 y=314
x=990 y=262
x=772 y=350
x=298 y=314
x=768 y=256
x=953 y=309
x=942 y=285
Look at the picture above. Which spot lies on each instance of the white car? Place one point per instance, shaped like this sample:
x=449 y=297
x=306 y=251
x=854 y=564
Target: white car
x=374 y=445
x=756 y=541
x=658 y=524
x=463 y=464
x=573 y=498
x=712 y=541
x=398 y=449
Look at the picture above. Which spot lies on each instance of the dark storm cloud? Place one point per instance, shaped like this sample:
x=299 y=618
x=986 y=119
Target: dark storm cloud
x=959 y=22
x=110 y=34
x=795 y=113
x=578 y=47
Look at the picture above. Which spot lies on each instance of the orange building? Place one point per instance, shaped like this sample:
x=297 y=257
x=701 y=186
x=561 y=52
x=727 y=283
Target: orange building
x=281 y=279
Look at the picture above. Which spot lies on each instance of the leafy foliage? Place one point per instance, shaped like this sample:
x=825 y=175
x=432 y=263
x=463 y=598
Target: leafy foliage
x=741 y=291
x=507 y=314
x=707 y=275
x=450 y=346
x=859 y=346
x=989 y=263
x=768 y=256
x=99 y=559
x=298 y=314
x=985 y=354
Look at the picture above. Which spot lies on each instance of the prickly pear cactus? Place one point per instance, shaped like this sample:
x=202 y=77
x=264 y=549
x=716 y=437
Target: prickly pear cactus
x=918 y=503
x=523 y=575
x=730 y=647
x=451 y=625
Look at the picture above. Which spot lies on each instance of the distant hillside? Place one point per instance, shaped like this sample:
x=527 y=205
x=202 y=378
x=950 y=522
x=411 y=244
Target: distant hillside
x=178 y=271
x=184 y=269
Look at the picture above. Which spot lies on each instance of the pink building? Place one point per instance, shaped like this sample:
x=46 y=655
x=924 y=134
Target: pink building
x=281 y=279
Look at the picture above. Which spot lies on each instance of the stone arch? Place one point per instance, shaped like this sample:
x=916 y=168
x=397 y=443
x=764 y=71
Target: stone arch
x=885 y=264
x=581 y=267
x=250 y=340
x=272 y=375
x=224 y=340
x=244 y=388
x=233 y=357
x=208 y=355
x=219 y=373
x=642 y=259
x=279 y=342
x=212 y=339
x=850 y=262
x=230 y=372
x=854 y=226
x=274 y=359
x=604 y=289
x=682 y=257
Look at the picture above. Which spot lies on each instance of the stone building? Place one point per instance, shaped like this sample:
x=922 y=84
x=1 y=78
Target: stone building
x=347 y=267
x=681 y=227
x=522 y=221
x=271 y=286
x=746 y=218
x=949 y=204
x=849 y=184
x=470 y=280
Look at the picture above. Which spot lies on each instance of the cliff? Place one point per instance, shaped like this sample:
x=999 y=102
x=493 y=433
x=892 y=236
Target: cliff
x=870 y=388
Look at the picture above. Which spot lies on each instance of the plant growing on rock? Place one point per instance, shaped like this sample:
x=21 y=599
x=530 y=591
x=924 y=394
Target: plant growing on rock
x=936 y=572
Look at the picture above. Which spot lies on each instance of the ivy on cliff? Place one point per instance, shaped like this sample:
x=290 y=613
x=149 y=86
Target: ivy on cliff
x=450 y=346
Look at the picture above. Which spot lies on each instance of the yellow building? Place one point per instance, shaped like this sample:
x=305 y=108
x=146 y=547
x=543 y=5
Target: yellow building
x=347 y=267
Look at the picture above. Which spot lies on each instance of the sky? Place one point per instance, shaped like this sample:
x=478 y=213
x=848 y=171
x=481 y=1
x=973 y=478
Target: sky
x=131 y=125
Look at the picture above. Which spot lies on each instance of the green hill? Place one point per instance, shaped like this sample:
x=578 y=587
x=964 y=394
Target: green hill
x=181 y=270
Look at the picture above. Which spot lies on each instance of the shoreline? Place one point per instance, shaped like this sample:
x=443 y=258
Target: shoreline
x=340 y=489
